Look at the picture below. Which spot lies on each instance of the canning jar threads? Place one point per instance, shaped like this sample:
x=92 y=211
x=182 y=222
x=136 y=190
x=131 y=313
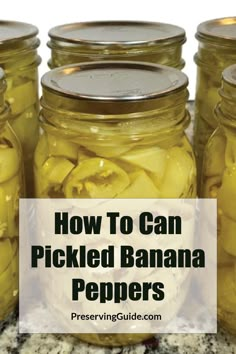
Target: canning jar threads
x=114 y=130
x=11 y=189
x=219 y=181
x=216 y=51
x=19 y=59
x=158 y=43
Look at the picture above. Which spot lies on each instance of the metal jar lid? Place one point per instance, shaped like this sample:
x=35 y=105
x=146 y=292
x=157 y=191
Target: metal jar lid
x=116 y=33
x=11 y=31
x=218 y=30
x=113 y=83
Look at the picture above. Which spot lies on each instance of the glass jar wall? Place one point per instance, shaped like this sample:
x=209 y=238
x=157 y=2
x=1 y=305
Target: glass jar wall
x=114 y=130
x=11 y=189
x=216 y=51
x=158 y=43
x=219 y=181
x=19 y=59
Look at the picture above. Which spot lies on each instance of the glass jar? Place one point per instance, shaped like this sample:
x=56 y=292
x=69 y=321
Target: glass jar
x=158 y=43
x=19 y=59
x=219 y=181
x=216 y=51
x=11 y=188
x=114 y=130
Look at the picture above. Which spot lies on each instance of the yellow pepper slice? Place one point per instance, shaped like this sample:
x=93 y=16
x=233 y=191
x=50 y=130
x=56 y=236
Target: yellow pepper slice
x=3 y=212
x=207 y=102
x=96 y=178
x=178 y=174
x=15 y=266
x=49 y=179
x=58 y=146
x=151 y=159
x=56 y=169
x=41 y=151
x=21 y=96
x=6 y=284
x=25 y=125
x=226 y=290
x=9 y=161
x=84 y=154
x=223 y=258
x=230 y=151
x=10 y=192
x=227 y=193
x=228 y=235
x=211 y=187
x=108 y=150
x=215 y=156
x=5 y=254
x=141 y=186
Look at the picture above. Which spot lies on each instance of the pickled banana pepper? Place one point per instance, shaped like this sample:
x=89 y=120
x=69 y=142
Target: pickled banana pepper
x=114 y=130
x=19 y=59
x=11 y=189
x=216 y=51
x=158 y=43
x=219 y=181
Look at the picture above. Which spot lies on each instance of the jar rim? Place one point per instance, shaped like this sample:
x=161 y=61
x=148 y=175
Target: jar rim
x=96 y=34
x=114 y=82
x=14 y=31
x=222 y=30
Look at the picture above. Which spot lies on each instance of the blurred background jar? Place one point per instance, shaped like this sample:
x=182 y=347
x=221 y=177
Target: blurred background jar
x=158 y=43
x=11 y=189
x=114 y=130
x=19 y=59
x=219 y=181
x=216 y=51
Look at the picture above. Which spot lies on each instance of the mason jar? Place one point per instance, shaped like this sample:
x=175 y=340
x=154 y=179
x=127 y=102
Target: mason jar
x=216 y=51
x=11 y=189
x=114 y=130
x=158 y=43
x=219 y=181
x=19 y=59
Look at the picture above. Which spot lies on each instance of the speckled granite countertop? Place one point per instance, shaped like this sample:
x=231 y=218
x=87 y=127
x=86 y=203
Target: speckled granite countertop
x=13 y=343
